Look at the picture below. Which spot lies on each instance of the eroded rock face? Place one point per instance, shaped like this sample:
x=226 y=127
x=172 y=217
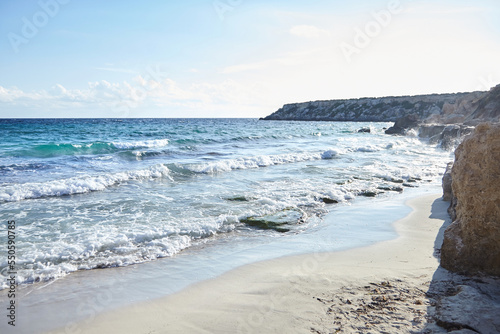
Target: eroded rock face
x=447 y=190
x=447 y=136
x=472 y=242
x=403 y=124
x=459 y=108
x=383 y=109
x=452 y=135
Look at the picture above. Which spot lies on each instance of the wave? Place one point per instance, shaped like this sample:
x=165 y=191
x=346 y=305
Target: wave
x=54 y=150
x=330 y=154
x=153 y=143
x=106 y=249
x=86 y=184
x=371 y=148
x=81 y=185
x=259 y=161
x=23 y=167
x=77 y=185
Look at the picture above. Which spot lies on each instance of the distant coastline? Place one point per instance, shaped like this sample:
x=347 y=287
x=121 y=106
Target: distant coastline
x=463 y=108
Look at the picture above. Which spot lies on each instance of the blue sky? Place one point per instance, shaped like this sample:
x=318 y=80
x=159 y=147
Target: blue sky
x=236 y=58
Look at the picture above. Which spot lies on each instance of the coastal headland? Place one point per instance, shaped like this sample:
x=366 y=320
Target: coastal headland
x=469 y=108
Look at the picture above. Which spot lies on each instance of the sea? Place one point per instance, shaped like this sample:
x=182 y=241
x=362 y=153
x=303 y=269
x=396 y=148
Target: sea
x=91 y=194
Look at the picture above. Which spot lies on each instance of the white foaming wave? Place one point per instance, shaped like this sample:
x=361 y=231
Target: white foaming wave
x=141 y=144
x=112 y=248
x=412 y=133
x=330 y=154
x=78 y=185
x=260 y=161
x=369 y=149
x=339 y=194
x=119 y=253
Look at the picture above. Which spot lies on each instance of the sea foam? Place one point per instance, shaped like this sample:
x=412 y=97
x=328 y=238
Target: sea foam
x=141 y=144
x=260 y=161
x=78 y=185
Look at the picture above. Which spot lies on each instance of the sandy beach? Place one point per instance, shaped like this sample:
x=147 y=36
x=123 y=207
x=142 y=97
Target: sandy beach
x=379 y=288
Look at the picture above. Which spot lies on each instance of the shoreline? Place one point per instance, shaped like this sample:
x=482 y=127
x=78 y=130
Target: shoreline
x=294 y=294
x=92 y=292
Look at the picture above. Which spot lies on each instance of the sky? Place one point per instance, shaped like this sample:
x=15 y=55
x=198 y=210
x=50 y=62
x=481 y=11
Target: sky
x=236 y=58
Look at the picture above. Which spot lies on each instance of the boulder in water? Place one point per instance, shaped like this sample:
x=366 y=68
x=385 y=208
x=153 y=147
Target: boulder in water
x=279 y=221
x=403 y=124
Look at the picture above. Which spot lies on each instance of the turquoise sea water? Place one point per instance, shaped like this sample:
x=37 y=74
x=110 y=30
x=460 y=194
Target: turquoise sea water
x=99 y=193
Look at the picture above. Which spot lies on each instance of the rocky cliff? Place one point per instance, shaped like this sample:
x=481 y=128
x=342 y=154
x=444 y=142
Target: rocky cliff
x=470 y=111
x=466 y=108
x=385 y=109
x=472 y=242
x=486 y=108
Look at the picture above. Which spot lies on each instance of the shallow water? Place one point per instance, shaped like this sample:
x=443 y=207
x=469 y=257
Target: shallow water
x=84 y=294
x=88 y=194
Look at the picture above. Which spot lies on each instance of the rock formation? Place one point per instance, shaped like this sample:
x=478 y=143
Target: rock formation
x=447 y=136
x=470 y=111
x=403 y=124
x=486 y=108
x=459 y=108
x=385 y=109
x=472 y=242
x=447 y=190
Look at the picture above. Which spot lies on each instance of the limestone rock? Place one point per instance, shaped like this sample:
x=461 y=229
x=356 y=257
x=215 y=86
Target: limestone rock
x=472 y=242
x=468 y=108
x=452 y=135
x=280 y=221
x=403 y=124
x=428 y=131
x=487 y=108
x=328 y=200
x=447 y=192
x=446 y=136
x=383 y=109
x=469 y=309
x=452 y=209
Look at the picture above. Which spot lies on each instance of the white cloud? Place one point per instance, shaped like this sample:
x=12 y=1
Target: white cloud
x=141 y=96
x=308 y=31
x=10 y=95
x=288 y=59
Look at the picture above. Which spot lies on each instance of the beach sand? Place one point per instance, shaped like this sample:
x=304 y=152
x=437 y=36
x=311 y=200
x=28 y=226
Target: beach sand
x=374 y=289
